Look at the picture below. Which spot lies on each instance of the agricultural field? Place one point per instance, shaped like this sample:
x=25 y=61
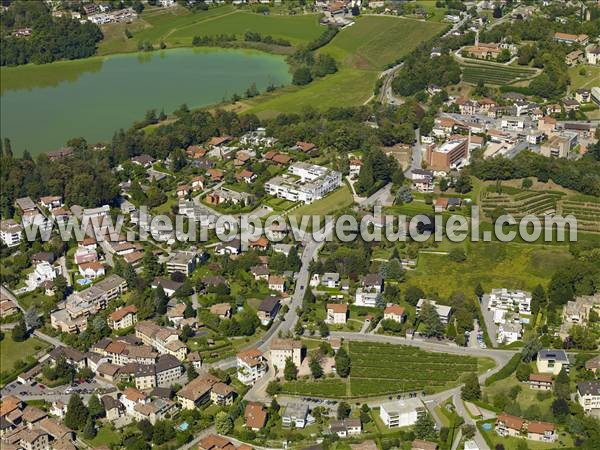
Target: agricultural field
x=361 y=50
x=375 y=42
x=380 y=369
x=178 y=26
x=519 y=202
x=493 y=73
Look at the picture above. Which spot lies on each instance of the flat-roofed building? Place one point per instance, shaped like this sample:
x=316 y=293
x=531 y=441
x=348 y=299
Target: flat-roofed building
x=401 y=413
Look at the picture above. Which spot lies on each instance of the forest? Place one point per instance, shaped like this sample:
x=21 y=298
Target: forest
x=51 y=38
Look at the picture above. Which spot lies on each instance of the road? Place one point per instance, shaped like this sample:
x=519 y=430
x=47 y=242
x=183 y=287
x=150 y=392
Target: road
x=382 y=197
x=286 y=324
x=416 y=159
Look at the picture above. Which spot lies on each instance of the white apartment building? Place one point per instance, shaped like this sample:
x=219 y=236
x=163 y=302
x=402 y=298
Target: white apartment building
x=401 y=413
x=304 y=183
x=588 y=396
x=296 y=414
x=509 y=333
x=282 y=349
x=504 y=299
x=442 y=310
x=251 y=365
x=11 y=233
x=364 y=298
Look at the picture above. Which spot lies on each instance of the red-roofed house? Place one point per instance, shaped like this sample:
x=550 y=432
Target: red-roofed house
x=395 y=313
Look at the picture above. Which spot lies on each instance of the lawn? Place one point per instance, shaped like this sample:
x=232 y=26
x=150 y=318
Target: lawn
x=333 y=202
x=382 y=369
x=108 y=436
x=11 y=351
x=510 y=265
x=591 y=77
x=436 y=14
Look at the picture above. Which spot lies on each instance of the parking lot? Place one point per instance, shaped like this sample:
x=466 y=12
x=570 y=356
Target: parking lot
x=36 y=390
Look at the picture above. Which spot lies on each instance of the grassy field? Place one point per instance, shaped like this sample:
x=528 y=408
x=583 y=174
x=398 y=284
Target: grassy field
x=177 y=27
x=296 y=29
x=436 y=14
x=515 y=266
x=381 y=369
x=333 y=202
x=493 y=73
x=11 y=351
x=375 y=42
x=591 y=77
x=363 y=50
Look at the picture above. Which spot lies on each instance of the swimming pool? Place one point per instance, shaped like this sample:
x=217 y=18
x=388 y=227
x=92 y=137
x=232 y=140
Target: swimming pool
x=183 y=426
x=83 y=281
x=487 y=426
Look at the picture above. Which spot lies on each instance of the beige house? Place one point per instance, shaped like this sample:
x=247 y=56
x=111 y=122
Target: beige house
x=282 y=349
x=552 y=361
x=123 y=318
x=197 y=391
x=337 y=314
x=540 y=381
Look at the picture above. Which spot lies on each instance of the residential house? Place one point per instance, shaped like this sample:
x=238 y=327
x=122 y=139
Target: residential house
x=330 y=280
x=92 y=270
x=164 y=340
x=337 y=314
x=442 y=310
x=11 y=233
x=197 y=391
x=422 y=180
x=540 y=381
x=276 y=283
x=251 y=365
x=346 y=428
x=255 y=416
x=395 y=313
x=304 y=182
x=567 y=38
x=588 y=396
x=294 y=414
x=282 y=349
x=552 y=361
x=222 y=310
x=260 y=272
x=123 y=318
x=268 y=309
x=169 y=286
x=419 y=444
x=222 y=394
x=182 y=261
x=401 y=413
x=593 y=364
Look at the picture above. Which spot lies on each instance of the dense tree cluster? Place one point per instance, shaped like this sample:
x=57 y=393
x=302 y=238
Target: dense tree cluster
x=582 y=175
x=51 y=38
x=420 y=69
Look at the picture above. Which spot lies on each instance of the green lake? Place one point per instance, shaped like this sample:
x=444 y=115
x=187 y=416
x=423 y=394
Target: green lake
x=44 y=106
